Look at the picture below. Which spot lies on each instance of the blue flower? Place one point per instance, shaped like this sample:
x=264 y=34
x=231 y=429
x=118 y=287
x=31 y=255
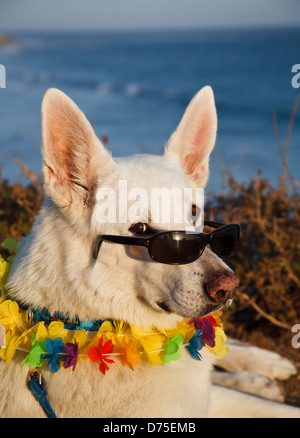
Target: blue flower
x=53 y=347
x=195 y=345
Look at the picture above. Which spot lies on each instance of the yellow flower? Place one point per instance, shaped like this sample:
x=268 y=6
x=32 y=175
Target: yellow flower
x=217 y=317
x=4 y=271
x=154 y=342
x=220 y=349
x=24 y=341
x=11 y=316
x=56 y=330
x=8 y=352
x=183 y=328
x=117 y=331
x=81 y=337
x=16 y=341
x=106 y=326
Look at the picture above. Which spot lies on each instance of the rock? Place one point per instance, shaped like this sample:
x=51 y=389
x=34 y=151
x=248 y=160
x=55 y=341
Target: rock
x=256 y=360
x=249 y=383
x=6 y=40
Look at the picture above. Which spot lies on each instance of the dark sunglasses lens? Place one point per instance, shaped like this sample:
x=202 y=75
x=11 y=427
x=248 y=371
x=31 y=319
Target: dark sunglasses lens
x=225 y=242
x=176 y=248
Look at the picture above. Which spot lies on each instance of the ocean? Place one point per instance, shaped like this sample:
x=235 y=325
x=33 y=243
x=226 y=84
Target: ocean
x=135 y=86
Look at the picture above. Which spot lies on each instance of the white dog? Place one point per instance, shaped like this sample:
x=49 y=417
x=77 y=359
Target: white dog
x=60 y=268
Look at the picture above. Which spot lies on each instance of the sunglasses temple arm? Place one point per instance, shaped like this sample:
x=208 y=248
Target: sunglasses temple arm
x=214 y=224
x=97 y=246
x=124 y=240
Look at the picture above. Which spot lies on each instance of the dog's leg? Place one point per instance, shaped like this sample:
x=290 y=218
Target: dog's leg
x=227 y=403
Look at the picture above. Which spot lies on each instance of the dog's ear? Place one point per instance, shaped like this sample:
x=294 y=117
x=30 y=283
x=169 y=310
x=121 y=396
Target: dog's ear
x=73 y=155
x=195 y=137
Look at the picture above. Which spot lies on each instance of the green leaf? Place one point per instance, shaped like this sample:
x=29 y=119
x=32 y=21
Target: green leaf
x=34 y=358
x=173 y=348
x=12 y=244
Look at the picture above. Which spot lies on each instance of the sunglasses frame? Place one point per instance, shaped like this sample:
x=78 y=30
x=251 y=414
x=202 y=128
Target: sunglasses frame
x=146 y=241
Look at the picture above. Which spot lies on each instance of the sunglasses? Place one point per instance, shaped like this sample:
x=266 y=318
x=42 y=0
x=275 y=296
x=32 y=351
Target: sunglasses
x=181 y=247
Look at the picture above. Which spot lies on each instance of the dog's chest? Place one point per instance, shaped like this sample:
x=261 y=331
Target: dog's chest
x=177 y=390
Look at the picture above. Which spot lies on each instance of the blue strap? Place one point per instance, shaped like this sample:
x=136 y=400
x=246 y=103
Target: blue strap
x=37 y=390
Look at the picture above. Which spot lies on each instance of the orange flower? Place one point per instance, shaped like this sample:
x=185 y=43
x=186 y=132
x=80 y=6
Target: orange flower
x=130 y=355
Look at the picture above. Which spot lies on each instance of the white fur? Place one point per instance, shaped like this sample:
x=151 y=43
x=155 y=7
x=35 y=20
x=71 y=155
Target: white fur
x=55 y=269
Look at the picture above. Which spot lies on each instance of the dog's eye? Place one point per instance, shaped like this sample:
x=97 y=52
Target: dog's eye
x=195 y=213
x=139 y=228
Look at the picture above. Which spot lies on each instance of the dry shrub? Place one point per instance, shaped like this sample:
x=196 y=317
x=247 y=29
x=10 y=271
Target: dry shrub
x=267 y=304
x=268 y=260
x=19 y=206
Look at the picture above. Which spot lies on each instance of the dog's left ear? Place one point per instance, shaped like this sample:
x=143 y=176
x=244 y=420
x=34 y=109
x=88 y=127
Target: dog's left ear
x=195 y=137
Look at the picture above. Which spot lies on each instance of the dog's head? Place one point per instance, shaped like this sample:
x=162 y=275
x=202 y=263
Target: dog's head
x=123 y=282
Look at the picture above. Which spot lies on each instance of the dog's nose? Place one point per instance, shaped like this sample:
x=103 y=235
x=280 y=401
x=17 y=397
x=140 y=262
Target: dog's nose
x=221 y=287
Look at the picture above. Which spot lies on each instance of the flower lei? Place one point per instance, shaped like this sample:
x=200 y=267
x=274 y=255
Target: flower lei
x=60 y=344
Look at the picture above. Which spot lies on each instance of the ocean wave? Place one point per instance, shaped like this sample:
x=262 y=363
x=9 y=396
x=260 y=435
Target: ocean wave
x=108 y=88
x=177 y=95
x=134 y=89
x=130 y=89
x=30 y=76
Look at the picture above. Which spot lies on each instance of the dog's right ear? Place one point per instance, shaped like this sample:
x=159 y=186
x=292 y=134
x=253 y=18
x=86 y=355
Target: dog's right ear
x=73 y=155
x=194 y=138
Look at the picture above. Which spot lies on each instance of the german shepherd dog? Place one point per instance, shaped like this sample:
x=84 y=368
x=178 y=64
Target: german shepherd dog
x=63 y=266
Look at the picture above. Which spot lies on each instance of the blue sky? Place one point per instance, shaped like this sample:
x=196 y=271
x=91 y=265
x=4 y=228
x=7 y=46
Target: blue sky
x=144 y=14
